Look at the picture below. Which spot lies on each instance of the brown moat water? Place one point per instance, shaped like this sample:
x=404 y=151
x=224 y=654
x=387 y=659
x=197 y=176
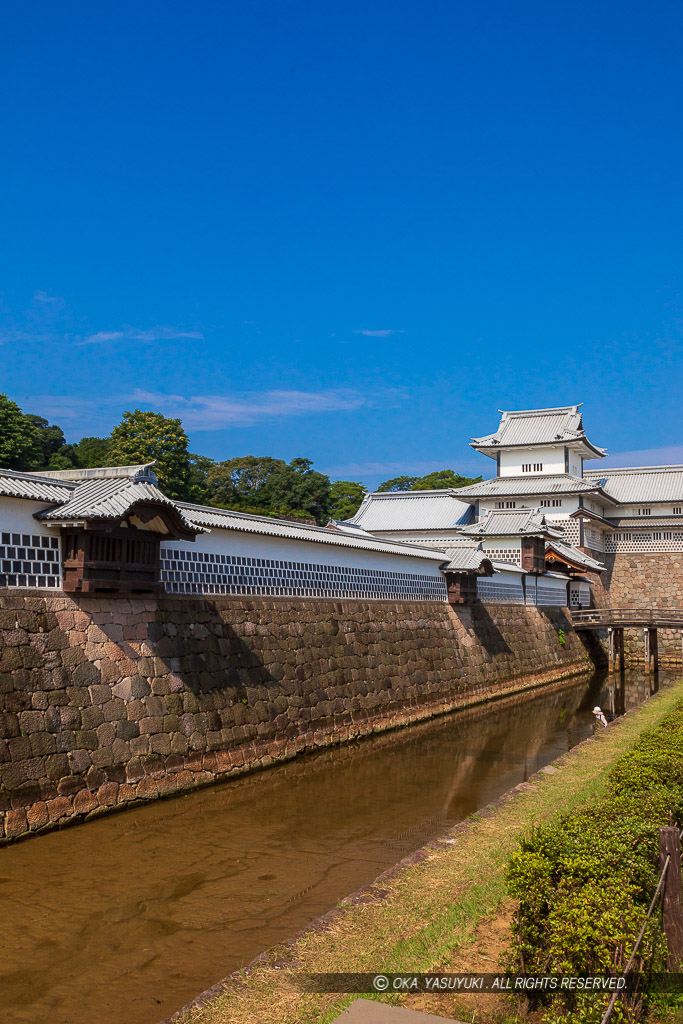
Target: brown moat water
x=125 y=919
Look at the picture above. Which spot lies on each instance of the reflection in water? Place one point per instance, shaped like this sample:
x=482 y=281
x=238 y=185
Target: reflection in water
x=626 y=689
x=124 y=920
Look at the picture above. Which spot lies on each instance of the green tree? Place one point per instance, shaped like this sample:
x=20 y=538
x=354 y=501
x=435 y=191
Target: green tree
x=269 y=486
x=437 y=481
x=234 y=481
x=442 y=479
x=299 y=487
x=345 y=498
x=50 y=438
x=91 y=452
x=399 y=483
x=150 y=436
x=198 y=489
x=20 y=441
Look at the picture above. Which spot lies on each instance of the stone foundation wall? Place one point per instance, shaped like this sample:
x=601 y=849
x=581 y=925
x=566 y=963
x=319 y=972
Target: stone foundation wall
x=110 y=702
x=641 y=580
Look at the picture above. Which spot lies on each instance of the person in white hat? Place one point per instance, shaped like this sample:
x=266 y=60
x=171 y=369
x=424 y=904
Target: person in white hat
x=597 y=711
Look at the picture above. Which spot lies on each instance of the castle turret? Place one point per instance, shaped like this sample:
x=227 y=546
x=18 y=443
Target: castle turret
x=535 y=441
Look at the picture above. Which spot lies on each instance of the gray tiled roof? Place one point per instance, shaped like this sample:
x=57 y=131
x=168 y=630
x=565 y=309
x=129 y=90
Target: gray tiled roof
x=648 y=483
x=512 y=486
x=111 y=492
x=574 y=555
x=103 y=499
x=413 y=510
x=644 y=522
x=466 y=558
x=562 y=425
x=143 y=471
x=36 y=487
x=512 y=523
x=226 y=520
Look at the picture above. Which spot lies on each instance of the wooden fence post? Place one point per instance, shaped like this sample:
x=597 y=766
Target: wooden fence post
x=672 y=910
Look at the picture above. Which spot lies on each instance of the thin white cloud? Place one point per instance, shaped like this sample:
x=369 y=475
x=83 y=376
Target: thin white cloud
x=202 y=412
x=670 y=455
x=215 y=412
x=376 y=334
x=136 y=334
x=41 y=298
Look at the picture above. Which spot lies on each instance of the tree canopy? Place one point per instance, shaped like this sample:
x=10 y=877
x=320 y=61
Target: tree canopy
x=399 y=483
x=20 y=442
x=267 y=484
x=345 y=498
x=152 y=437
x=442 y=479
x=249 y=483
x=436 y=481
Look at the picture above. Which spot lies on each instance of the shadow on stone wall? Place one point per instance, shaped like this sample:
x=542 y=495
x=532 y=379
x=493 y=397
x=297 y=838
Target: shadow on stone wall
x=108 y=702
x=487 y=631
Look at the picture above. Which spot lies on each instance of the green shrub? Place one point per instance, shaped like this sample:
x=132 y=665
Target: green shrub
x=585 y=882
x=657 y=759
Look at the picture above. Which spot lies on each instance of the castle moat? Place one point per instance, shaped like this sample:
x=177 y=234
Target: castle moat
x=126 y=919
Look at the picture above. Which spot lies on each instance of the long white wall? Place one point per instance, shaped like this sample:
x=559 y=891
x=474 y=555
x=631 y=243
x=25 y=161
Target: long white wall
x=232 y=562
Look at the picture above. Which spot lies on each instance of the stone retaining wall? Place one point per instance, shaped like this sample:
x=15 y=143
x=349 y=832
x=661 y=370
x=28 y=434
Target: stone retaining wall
x=110 y=702
x=642 y=580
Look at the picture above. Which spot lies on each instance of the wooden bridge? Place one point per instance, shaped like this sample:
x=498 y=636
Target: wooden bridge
x=616 y=620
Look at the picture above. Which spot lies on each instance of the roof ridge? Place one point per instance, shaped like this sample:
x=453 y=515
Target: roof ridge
x=402 y=547
x=103 y=472
x=540 y=412
x=631 y=469
x=37 y=477
x=412 y=494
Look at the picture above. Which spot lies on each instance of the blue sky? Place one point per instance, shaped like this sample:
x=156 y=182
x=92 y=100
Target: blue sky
x=347 y=231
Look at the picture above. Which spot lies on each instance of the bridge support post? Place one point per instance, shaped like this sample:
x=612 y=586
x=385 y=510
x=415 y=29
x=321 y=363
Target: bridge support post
x=616 y=648
x=651 y=649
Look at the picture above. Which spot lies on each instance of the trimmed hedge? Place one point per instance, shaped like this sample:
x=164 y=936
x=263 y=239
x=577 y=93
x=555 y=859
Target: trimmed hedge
x=584 y=883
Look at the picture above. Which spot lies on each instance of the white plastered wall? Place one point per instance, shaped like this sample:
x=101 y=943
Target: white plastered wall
x=16 y=516
x=255 y=545
x=552 y=460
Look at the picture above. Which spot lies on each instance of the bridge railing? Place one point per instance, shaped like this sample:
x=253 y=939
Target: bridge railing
x=663 y=617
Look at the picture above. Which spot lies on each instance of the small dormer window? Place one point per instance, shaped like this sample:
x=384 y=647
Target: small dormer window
x=644 y=511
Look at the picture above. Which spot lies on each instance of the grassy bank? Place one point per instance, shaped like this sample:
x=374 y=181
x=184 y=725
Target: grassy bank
x=428 y=916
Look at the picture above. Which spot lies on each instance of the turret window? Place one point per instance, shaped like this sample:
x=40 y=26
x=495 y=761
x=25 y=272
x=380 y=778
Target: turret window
x=551 y=503
x=528 y=467
x=678 y=509
x=644 y=511
x=506 y=504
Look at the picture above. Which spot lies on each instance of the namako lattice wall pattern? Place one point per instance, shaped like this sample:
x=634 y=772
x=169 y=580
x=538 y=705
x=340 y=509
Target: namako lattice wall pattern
x=198 y=572
x=29 y=560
